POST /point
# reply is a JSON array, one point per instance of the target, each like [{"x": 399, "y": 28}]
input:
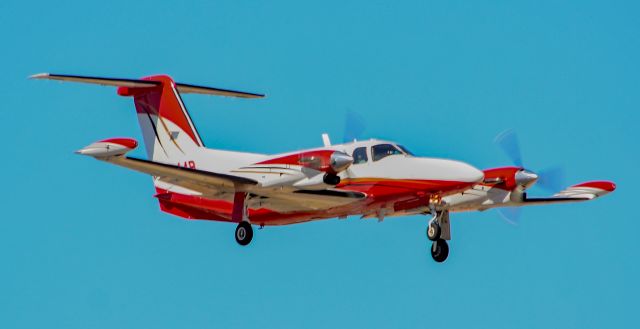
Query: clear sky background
[{"x": 84, "y": 245}]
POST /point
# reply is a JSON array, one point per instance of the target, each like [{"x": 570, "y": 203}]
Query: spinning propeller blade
[
  {"x": 551, "y": 179},
  {"x": 354, "y": 127},
  {"x": 510, "y": 215},
  {"x": 508, "y": 142}
]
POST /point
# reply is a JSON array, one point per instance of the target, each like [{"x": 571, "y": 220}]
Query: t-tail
[{"x": 170, "y": 135}]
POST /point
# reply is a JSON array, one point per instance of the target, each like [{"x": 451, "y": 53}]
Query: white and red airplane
[{"x": 372, "y": 179}]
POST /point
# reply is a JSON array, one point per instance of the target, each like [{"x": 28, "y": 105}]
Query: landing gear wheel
[
  {"x": 244, "y": 233},
  {"x": 433, "y": 231},
  {"x": 440, "y": 250}
]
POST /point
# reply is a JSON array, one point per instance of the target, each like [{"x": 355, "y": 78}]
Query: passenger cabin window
[
  {"x": 360, "y": 155},
  {"x": 383, "y": 150}
]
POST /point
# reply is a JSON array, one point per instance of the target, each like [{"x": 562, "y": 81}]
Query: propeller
[
  {"x": 510, "y": 215},
  {"x": 354, "y": 127},
  {"x": 508, "y": 142},
  {"x": 550, "y": 179}
]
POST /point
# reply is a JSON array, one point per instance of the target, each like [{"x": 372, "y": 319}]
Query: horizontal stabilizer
[
  {"x": 193, "y": 89},
  {"x": 131, "y": 83},
  {"x": 137, "y": 83}
]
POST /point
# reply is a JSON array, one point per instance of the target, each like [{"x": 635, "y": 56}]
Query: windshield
[
  {"x": 404, "y": 149},
  {"x": 381, "y": 151}
]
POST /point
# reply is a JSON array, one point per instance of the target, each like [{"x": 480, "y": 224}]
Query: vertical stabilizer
[{"x": 169, "y": 133}]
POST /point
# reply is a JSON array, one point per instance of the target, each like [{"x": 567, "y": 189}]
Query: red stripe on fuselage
[
  {"x": 387, "y": 187},
  {"x": 400, "y": 194}
]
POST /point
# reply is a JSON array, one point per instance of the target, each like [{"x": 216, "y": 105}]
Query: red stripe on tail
[{"x": 163, "y": 101}]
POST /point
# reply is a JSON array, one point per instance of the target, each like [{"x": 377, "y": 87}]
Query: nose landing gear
[
  {"x": 439, "y": 231},
  {"x": 433, "y": 230},
  {"x": 440, "y": 250}
]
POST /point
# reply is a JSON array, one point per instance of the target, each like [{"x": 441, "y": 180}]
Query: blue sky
[{"x": 84, "y": 244}]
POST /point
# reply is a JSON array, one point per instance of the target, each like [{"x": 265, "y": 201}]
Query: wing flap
[{"x": 307, "y": 200}]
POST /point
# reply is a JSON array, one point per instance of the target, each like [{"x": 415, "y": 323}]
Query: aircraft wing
[
  {"x": 198, "y": 180},
  {"x": 580, "y": 192},
  {"x": 482, "y": 199},
  {"x": 218, "y": 186},
  {"x": 222, "y": 186}
]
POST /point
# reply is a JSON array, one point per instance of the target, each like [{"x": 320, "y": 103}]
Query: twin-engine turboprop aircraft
[{"x": 372, "y": 179}]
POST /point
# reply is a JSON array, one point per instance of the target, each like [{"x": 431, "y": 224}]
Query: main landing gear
[
  {"x": 240, "y": 214},
  {"x": 439, "y": 231},
  {"x": 244, "y": 233}
]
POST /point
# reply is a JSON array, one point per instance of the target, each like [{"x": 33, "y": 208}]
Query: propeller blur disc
[
  {"x": 551, "y": 179},
  {"x": 510, "y": 215},
  {"x": 508, "y": 142},
  {"x": 354, "y": 127}
]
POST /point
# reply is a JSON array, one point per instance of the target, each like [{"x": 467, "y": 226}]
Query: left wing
[{"x": 482, "y": 197}]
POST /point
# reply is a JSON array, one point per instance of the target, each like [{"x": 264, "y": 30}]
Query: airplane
[{"x": 372, "y": 179}]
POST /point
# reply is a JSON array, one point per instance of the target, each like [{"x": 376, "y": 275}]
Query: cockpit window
[
  {"x": 383, "y": 150},
  {"x": 360, "y": 155},
  {"x": 404, "y": 149}
]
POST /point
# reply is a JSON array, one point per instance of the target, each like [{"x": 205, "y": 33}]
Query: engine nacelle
[
  {"x": 328, "y": 161},
  {"x": 326, "y": 165},
  {"x": 339, "y": 161}
]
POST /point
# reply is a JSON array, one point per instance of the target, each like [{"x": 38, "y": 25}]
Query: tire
[
  {"x": 433, "y": 231},
  {"x": 440, "y": 250},
  {"x": 244, "y": 233},
  {"x": 331, "y": 179}
]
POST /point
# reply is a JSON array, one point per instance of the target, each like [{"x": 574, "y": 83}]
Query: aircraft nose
[
  {"x": 457, "y": 171},
  {"x": 469, "y": 173}
]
